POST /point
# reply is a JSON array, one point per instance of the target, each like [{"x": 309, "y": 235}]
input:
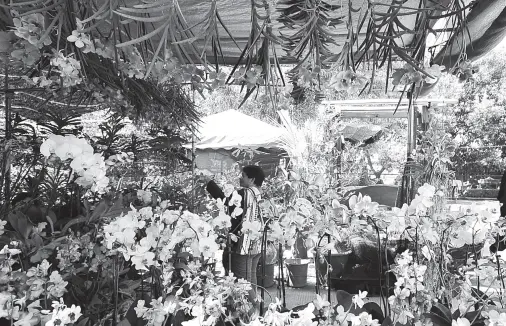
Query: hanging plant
[
  {"x": 259, "y": 61},
  {"x": 348, "y": 80},
  {"x": 307, "y": 33}
]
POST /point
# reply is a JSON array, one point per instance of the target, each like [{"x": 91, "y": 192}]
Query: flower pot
[
  {"x": 268, "y": 277},
  {"x": 243, "y": 266},
  {"x": 297, "y": 272},
  {"x": 338, "y": 262}
]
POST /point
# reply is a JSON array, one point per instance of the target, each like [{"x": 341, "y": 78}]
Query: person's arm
[{"x": 214, "y": 190}]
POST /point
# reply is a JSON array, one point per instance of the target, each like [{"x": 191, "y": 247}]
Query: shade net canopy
[
  {"x": 235, "y": 27},
  {"x": 234, "y": 130},
  {"x": 485, "y": 27}
]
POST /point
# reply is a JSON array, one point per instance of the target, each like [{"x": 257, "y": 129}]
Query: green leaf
[
  {"x": 141, "y": 11},
  {"x": 83, "y": 321},
  {"x": 397, "y": 76},
  {"x": 99, "y": 211},
  {"x": 144, "y": 37},
  {"x": 344, "y": 299},
  {"x": 44, "y": 253},
  {"x": 476, "y": 316},
  {"x": 131, "y": 318},
  {"x": 80, "y": 219},
  {"x": 387, "y": 322},
  {"x": 144, "y": 19},
  {"x": 442, "y": 311},
  {"x": 374, "y": 310},
  {"x": 20, "y": 223},
  {"x": 37, "y": 240},
  {"x": 155, "y": 55},
  {"x": 438, "y": 320}
]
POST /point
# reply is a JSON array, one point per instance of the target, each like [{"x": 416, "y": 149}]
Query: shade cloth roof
[
  {"x": 486, "y": 26},
  {"x": 233, "y": 129},
  {"x": 236, "y": 15}
]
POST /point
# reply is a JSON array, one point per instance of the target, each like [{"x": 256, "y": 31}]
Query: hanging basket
[{"x": 297, "y": 272}]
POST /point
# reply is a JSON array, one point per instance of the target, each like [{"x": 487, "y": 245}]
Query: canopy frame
[{"x": 414, "y": 111}]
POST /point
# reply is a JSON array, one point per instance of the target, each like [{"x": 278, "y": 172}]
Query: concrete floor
[{"x": 299, "y": 296}]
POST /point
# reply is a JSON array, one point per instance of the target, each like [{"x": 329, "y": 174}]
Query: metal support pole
[
  {"x": 193, "y": 191},
  {"x": 317, "y": 271},
  {"x": 409, "y": 181},
  {"x": 411, "y": 131},
  {"x": 6, "y": 167},
  {"x": 329, "y": 280},
  {"x": 406, "y": 192},
  {"x": 281, "y": 276},
  {"x": 263, "y": 260},
  {"x": 192, "y": 200}
]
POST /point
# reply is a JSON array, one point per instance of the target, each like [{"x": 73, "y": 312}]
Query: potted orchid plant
[
  {"x": 155, "y": 263},
  {"x": 431, "y": 285},
  {"x": 330, "y": 235}
]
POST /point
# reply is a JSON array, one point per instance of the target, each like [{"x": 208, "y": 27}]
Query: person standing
[{"x": 245, "y": 248}]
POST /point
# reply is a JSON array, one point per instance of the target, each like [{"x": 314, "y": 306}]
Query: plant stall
[{"x": 111, "y": 228}]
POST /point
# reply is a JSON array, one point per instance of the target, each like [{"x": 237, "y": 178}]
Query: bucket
[
  {"x": 297, "y": 271},
  {"x": 269, "y": 275}
]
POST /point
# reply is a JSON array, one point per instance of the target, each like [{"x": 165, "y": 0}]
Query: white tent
[
  {"x": 220, "y": 135},
  {"x": 232, "y": 129}
]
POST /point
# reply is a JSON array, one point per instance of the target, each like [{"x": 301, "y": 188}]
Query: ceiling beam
[
  {"x": 404, "y": 102},
  {"x": 374, "y": 114}
]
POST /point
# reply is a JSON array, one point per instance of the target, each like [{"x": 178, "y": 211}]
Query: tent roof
[
  {"x": 233, "y": 129},
  {"x": 360, "y": 133}
]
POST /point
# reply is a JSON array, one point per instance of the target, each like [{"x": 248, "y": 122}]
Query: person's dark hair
[{"x": 255, "y": 172}]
